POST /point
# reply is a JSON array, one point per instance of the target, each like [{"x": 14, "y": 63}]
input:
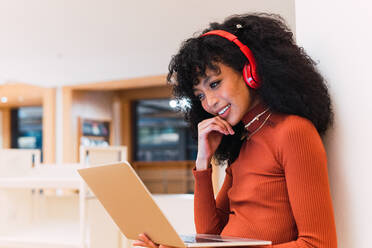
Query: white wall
[
  {"x": 338, "y": 35},
  {"x": 58, "y": 42},
  {"x": 62, "y": 42}
]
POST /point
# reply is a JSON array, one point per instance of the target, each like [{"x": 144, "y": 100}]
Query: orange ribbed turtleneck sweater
[{"x": 277, "y": 189}]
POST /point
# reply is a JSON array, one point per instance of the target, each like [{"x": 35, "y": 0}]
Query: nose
[{"x": 211, "y": 101}]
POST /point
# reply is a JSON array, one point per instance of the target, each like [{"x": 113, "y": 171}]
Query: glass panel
[
  {"x": 161, "y": 132},
  {"x": 29, "y": 132}
]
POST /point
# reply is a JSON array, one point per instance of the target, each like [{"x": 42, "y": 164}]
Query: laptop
[{"x": 133, "y": 209}]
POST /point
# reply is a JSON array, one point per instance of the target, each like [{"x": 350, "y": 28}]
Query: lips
[{"x": 222, "y": 111}]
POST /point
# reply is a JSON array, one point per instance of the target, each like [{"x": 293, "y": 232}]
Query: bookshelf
[{"x": 94, "y": 132}]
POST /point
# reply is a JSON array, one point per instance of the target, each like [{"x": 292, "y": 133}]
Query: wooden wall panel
[
  {"x": 131, "y": 83},
  {"x": 6, "y": 127},
  {"x": 20, "y": 95},
  {"x": 166, "y": 177},
  {"x": 106, "y": 95},
  {"x": 68, "y": 153},
  {"x": 147, "y": 93},
  {"x": 94, "y": 105},
  {"x": 49, "y": 125},
  {"x": 126, "y": 120}
]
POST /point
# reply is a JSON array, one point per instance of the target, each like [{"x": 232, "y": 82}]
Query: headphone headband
[{"x": 245, "y": 50}]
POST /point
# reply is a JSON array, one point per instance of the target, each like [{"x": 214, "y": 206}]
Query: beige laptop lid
[{"x": 129, "y": 203}]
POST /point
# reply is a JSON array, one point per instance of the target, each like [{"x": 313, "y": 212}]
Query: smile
[{"x": 224, "y": 109}]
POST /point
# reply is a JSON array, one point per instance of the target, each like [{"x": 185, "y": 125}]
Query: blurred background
[{"x": 83, "y": 83}]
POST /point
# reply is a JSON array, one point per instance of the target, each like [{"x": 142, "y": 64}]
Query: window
[
  {"x": 26, "y": 127},
  {"x": 161, "y": 134}
]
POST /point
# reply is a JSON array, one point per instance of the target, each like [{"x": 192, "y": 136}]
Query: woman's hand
[
  {"x": 210, "y": 132},
  {"x": 145, "y": 241}
]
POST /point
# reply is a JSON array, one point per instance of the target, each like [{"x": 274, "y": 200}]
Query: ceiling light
[
  {"x": 173, "y": 103},
  {"x": 182, "y": 104},
  {"x": 4, "y": 99}
]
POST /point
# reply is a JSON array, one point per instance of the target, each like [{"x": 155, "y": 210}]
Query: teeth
[{"x": 224, "y": 110}]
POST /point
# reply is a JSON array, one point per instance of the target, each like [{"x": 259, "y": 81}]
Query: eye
[
  {"x": 214, "y": 84},
  {"x": 200, "y": 97}
]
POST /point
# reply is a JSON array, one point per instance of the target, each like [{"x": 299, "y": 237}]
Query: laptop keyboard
[{"x": 193, "y": 239}]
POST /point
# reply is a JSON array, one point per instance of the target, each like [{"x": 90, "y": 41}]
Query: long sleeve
[
  {"x": 305, "y": 166},
  {"x": 277, "y": 189},
  {"x": 210, "y": 215}
]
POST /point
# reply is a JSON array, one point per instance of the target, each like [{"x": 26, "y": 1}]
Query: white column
[{"x": 337, "y": 35}]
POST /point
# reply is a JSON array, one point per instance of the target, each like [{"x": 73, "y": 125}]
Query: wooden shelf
[
  {"x": 46, "y": 176},
  {"x": 39, "y": 182},
  {"x": 35, "y": 223},
  {"x": 91, "y": 138},
  {"x": 43, "y": 235}
]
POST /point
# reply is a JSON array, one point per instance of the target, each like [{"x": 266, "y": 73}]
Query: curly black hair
[{"x": 291, "y": 84}]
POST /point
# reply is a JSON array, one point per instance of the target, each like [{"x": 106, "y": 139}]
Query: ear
[{"x": 248, "y": 77}]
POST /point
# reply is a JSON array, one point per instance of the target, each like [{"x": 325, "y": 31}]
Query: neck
[
  {"x": 258, "y": 109},
  {"x": 254, "y": 102}
]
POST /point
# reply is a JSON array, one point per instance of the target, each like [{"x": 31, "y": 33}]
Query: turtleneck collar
[{"x": 253, "y": 113}]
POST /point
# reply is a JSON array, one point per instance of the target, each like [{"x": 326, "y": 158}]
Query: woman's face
[{"x": 225, "y": 94}]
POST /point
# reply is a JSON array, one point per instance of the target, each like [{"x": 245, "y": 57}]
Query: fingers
[
  {"x": 139, "y": 243},
  {"x": 144, "y": 241},
  {"x": 227, "y": 125},
  {"x": 215, "y": 124},
  {"x": 164, "y": 246}
]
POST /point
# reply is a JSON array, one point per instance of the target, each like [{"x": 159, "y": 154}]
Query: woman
[{"x": 257, "y": 102}]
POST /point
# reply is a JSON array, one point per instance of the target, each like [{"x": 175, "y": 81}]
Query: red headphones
[{"x": 249, "y": 71}]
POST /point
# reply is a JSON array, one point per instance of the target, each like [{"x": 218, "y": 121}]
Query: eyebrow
[{"x": 204, "y": 82}]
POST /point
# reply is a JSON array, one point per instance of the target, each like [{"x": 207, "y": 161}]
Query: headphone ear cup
[{"x": 248, "y": 78}]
